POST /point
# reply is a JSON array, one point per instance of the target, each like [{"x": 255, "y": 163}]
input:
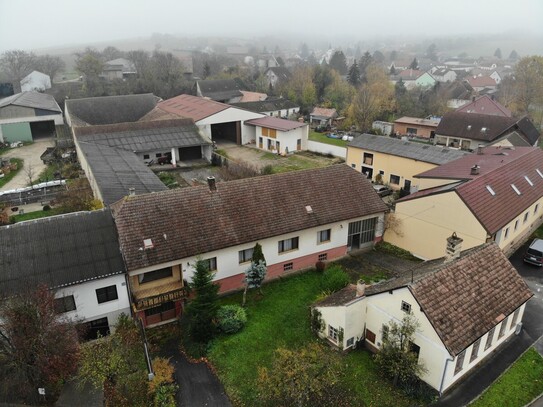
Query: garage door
[
  {"x": 225, "y": 132},
  {"x": 190, "y": 153},
  {"x": 42, "y": 130}
]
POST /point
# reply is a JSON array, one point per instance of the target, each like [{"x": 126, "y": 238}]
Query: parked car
[
  {"x": 382, "y": 190},
  {"x": 164, "y": 160},
  {"x": 534, "y": 253}
]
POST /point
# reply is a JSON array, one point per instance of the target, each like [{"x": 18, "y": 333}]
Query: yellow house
[
  {"x": 466, "y": 306},
  {"x": 494, "y": 195},
  {"x": 394, "y": 161}
]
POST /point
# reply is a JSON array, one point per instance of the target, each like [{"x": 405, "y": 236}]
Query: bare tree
[
  {"x": 18, "y": 63},
  {"x": 50, "y": 65},
  {"x": 30, "y": 173}
]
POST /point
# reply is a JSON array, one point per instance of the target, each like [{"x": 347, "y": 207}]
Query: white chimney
[
  {"x": 131, "y": 191},
  {"x": 475, "y": 170},
  {"x": 454, "y": 248},
  {"x": 480, "y": 149},
  {"x": 360, "y": 288}
]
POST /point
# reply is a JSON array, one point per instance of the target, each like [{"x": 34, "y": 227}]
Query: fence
[{"x": 324, "y": 148}]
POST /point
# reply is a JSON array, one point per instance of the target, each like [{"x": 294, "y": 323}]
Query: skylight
[
  {"x": 489, "y": 189},
  {"x": 515, "y": 189},
  {"x": 528, "y": 180},
  {"x": 539, "y": 172}
]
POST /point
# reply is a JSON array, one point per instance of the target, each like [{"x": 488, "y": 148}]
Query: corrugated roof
[
  {"x": 192, "y": 221},
  {"x": 194, "y": 107},
  {"x": 35, "y": 100},
  {"x": 275, "y": 123},
  {"x": 408, "y": 149},
  {"x": 58, "y": 251}
]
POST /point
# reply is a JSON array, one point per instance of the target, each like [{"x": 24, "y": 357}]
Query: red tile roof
[
  {"x": 194, "y": 107},
  {"x": 191, "y": 221},
  {"x": 485, "y": 105},
  {"x": 464, "y": 299},
  {"x": 481, "y": 81},
  {"x": 499, "y": 172},
  {"x": 410, "y": 74},
  {"x": 275, "y": 123},
  {"x": 324, "y": 112}
]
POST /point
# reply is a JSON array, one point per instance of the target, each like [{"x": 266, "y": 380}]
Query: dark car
[
  {"x": 534, "y": 253},
  {"x": 382, "y": 190},
  {"x": 164, "y": 160}
]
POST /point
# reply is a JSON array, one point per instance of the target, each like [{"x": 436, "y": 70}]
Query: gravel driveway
[{"x": 31, "y": 156}]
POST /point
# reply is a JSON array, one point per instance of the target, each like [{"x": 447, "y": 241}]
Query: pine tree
[
  {"x": 256, "y": 273},
  {"x": 339, "y": 62},
  {"x": 498, "y": 53},
  {"x": 353, "y": 77},
  {"x": 414, "y": 64},
  {"x": 513, "y": 55},
  {"x": 207, "y": 70},
  {"x": 203, "y": 308}
]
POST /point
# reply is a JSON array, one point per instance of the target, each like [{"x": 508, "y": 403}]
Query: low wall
[{"x": 324, "y": 148}]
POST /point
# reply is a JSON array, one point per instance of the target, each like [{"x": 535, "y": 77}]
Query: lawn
[
  {"x": 300, "y": 161},
  {"x": 518, "y": 386},
  {"x": 280, "y": 318},
  {"x": 8, "y": 177},
  {"x": 35, "y": 215},
  {"x": 321, "y": 138}
]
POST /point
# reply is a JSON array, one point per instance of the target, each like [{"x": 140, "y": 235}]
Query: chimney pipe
[
  {"x": 480, "y": 149},
  {"x": 475, "y": 170},
  {"x": 454, "y": 248},
  {"x": 360, "y": 288},
  {"x": 131, "y": 191},
  {"x": 211, "y": 183}
]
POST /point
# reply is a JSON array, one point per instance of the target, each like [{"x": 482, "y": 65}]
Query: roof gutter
[{"x": 443, "y": 376}]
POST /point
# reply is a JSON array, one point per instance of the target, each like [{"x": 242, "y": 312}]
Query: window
[
  {"x": 489, "y": 189},
  {"x": 64, "y": 304},
  {"x": 288, "y": 244},
  {"x": 381, "y": 172},
  {"x": 155, "y": 275},
  {"x": 260, "y": 142},
  {"x": 370, "y": 336},
  {"x": 350, "y": 342},
  {"x": 157, "y": 155},
  {"x": 411, "y": 130},
  {"x": 166, "y": 306},
  {"x": 475, "y": 350},
  {"x": 288, "y": 266},
  {"x": 106, "y": 294},
  {"x": 323, "y": 256},
  {"x": 394, "y": 179},
  {"x": 384, "y": 332},
  {"x": 145, "y": 156},
  {"x": 539, "y": 172},
  {"x": 506, "y": 233},
  {"x": 269, "y": 132},
  {"x": 526, "y": 217},
  {"x": 211, "y": 263},
  {"x": 516, "y": 224},
  {"x": 245, "y": 255},
  {"x": 333, "y": 333},
  {"x": 528, "y": 180},
  {"x": 414, "y": 348},
  {"x": 324, "y": 236},
  {"x": 459, "y": 362},
  {"x": 368, "y": 159},
  {"x": 406, "y": 307},
  {"x": 536, "y": 208},
  {"x": 515, "y": 318},
  {"x": 489, "y": 338},
  {"x": 361, "y": 232},
  {"x": 353, "y": 165},
  {"x": 502, "y": 327},
  {"x": 515, "y": 189},
  {"x": 299, "y": 144}
]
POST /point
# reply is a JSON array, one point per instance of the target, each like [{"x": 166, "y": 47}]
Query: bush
[
  {"x": 334, "y": 279},
  {"x": 231, "y": 318},
  {"x": 164, "y": 371},
  {"x": 267, "y": 170},
  {"x": 46, "y": 208},
  {"x": 165, "y": 396}
]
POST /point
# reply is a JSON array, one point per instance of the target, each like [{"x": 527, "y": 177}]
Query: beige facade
[
  {"x": 424, "y": 224},
  {"x": 395, "y": 171}
]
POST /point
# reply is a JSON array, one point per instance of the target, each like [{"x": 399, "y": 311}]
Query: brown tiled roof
[
  {"x": 410, "y": 74},
  {"x": 195, "y": 220},
  {"x": 324, "y": 112},
  {"x": 194, "y": 107},
  {"x": 275, "y": 123},
  {"x": 464, "y": 298},
  {"x": 485, "y": 105},
  {"x": 339, "y": 298},
  {"x": 474, "y": 126},
  {"x": 481, "y": 81},
  {"x": 252, "y": 96}
]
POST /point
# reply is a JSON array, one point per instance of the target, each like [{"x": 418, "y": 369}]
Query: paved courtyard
[{"x": 31, "y": 155}]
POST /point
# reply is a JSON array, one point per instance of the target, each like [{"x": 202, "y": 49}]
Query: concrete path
[
  {"x": 198, "y": 385},
  {"x": 31, "y": 156}
]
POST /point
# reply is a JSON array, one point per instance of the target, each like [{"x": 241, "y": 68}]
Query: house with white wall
[
  {"x": 279, "y": 136},
  {"x": 278, "y": 107},
  {"x": 35, "y": 81},
  {"x": 295, "y": 219},
  {"x": 466, "y": 305},
  {"x": 77, "y": 256}
]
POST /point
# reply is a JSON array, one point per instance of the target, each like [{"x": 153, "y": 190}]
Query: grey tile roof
[
  {"x": 268, "y": 105},
  {"x": 58, "y": 251},
  {"x": 116, "y": 171},
  {"x": 408, "y": 149},
  {"x": 191, "y": 221},
  {"x": 111, "y": 109},
  {"x": 33, "y": 100}
]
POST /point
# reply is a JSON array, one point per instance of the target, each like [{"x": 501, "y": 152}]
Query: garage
[
  {"x": 229, "y": 131},
  {"x": 42, "y": 130},
  {"x": 190, "y": 153}
]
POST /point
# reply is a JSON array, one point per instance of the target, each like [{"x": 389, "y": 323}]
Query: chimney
[
  {"x": 480, "y": 149},
  {"x": 131, "y": 191},
  {"x": 360, "y": 288},
  {"x": 211, "y": 183},
  {"x": 454, "y": 247},
  {"x": 475, "y": 170},
  {"x": 473, "y": 98}
]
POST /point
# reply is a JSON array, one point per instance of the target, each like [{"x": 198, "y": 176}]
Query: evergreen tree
[
  {"x": 378, "y": 57},
  {"x": 365, "y": 63},
  {"x": 207, "y": 70},
  {"x": 414, "y": 64},
  {"x": 513, "y": 55},
  {"x": 256, "y": 273},
  {"x": 431, "y": 52},
  {"x": 353, "y": 76},
  {"x": 339, "y": 62},
  {"x": 498, "y": 53},
  {"x": 203, "y": 308},
  {"x": 392, "y": 70},
  {"x": 258, "y": 255},
  {"x": 399, "y": 88}
]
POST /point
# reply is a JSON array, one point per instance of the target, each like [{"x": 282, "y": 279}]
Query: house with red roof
[
  {"x": 493, "y": 195},
  {"x": 485, "y": 105},
  {"x": 479, "y": 83},
  {"x": 467, "y": 305},
  {"x": 321, "y": 116}
]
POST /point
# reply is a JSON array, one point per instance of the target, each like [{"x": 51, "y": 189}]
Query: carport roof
[
  {"x": 194, "y": 107},
  {"x": 33, "y": 100}
]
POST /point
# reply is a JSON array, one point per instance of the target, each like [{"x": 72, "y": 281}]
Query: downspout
[{"x": 444, "y": 373}]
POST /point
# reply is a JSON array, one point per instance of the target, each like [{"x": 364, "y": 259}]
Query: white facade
[
  {"x": 35, "y": 81},
  {"x": 281, "y": 112},
  {"x": 284, "y": 142},
  {"x": 323, "y": 148},
  {"x": 86, "y": 301}
]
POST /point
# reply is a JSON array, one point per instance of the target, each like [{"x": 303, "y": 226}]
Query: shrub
[
  {"x": 163, "y": 370},
  {"x": 320, "y": 266},
  {"x": 46, "y": 208},
  {"x": 165, "y": 396},
  {"x": 231, "y": 318},
  {"x": 334, "y": 279},
  {"x": 267, "y": 170}
]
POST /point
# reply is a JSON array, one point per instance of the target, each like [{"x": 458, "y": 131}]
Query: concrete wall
[
  {"x": 324, "y": 148},
  {"x": 425, "y": 224},
  {"x": 16, "y": 132},
  {"x": 87, "y": 307},
  {"x": 88, "y": 171},
  {"x": 288, "y": 139}
]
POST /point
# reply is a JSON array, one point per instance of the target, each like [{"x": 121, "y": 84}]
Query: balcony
[{"x": 155, "y": 296}]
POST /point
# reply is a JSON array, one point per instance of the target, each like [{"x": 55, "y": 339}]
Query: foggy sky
[{"x": 34, "y": 24}]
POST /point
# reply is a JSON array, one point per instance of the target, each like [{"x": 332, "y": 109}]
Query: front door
[
  {"x": 163, "y": 312},
  {"x": 407, "y": 186},
  {"x": 278, "y": 147}
]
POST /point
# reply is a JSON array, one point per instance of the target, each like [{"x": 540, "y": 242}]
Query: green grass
[
  {"x": 538, "y": 232},
  {"x": 321, "y": 138},
  {"x": 35, "y": 215},
  {"x": 518, "y": 386},
  {"x": 8, "y": 177},
  {"x": 280, "y": 318},
  {"x": 396, "y": 251}
]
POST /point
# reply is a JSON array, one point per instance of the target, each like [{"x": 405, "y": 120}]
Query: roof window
[
  {"x": 529, "y": 180},
  {"x": 539, "y": 172},
  {"x": 489, "y": 189},
  {"x": 515, "y": 189}
]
